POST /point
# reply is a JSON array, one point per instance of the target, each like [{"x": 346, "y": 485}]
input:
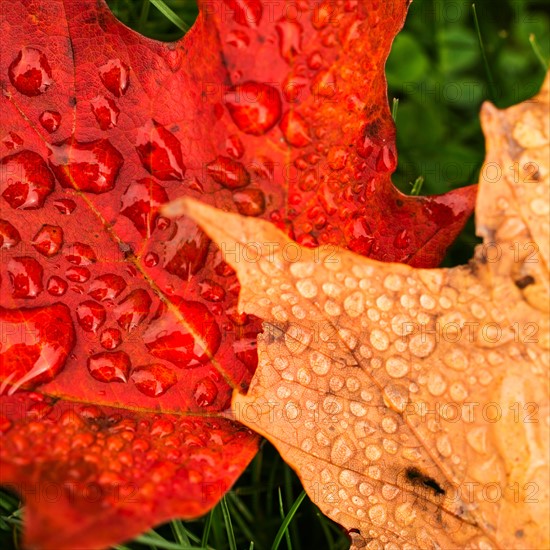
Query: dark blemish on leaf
[
  {"x": 399, "y": 203},
  {"x": 72, "y": 101},
  {"x": 524, "y": 281},
  {"x": 519, "y": 533},
  {"x": 417, "y": 478}
]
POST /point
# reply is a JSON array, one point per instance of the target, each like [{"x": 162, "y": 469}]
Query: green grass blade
[
  {"x": 394, "y": 107},
  {"x": 534, "y": 44},
  {"x": 162, "y": 544},
  {"x": 417, "y": 185},
  {"x": 282, "y": 512},
  {"x": 287, "y": 520},
  {"x": 228, "y": 524},
  {"x": 488, "y": 72},
  {"x": 206, "y": 530},
  {"x": 179, "y": 531},
  {"x": 170, "y": 15}
]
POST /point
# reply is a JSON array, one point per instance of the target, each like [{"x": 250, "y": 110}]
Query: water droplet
[
  {"x": 359, "y": 236},
  {"x": 402, "y": 239},
  {"x": 25, "y": 274},
  {"x": 65, "y": 206},
  {"x": 49, "y": 240},
  {"x": 228, "y": 172},
  {"x": 237, "y": 38},
  {"x": 160, "y": 152},
  {"x": 249, "y": 202},
  {"x": 107, "y": 287},
  {"x": 186, "y": 252},
  {"x": 140, "y": 204},
  {"x": 234, "y": 146},
  {"x": 80, "y": 254},
  {"x": 133, "y": 309},
  {"x": 246, "y": 350},
  {"x": 294, "y": 129},
  {"x": 205, "y": 392},
  {"x": 25, "y": 180},
  {"x": 151, "y": 259},
  {"x": 9, "y": 236},
  {"x": 211, "y": 291},
  {"x": 315, "y": 60},
  {"x": 153, "y": 380},
  {"x": 290, "y": 38},
  {"x": 115, "y": 75},
  {"x": 56, "y": 286},
  {"x": 254, "y": 107},
  {"x": 78, "y": 274},
  {"x": 246, "y": 12},
  {"x": 50, "y": 121},
  {"x": 110, "y": 338},
  {"x": 110, "y": 366},
  {"x": 12, "y": 141},
  {"x": 184, "y": 344},
  {"x": 91, "y": 166},
  {"x": 386, "y": 160},
  {"x": 105, "y": 111},
  {"x": 337, "y": 157},
  {"x": 38, "y": 345},
  {"x": 322, "y": 15},
  {"x": 90, "y": 315},
  {"x": 30, "y": 72},
  {"x": 162, "y": 427}
]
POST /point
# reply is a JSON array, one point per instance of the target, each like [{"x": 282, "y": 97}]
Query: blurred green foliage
[{"x": 437, "y": 71}]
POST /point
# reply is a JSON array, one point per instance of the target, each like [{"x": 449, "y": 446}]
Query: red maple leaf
[{"x": 124, "y": 321}]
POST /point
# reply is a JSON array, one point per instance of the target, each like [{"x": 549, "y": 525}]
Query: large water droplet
[
  {"x": 36, "y": 343},
  {"x": 386, "y": 160},
  {"x": 56, "y": 286},
  {"x": 246, "y": 12},
  {"x": 65, "y": 206},
  {"x": 9, "y": 236},
  {"x": 30, "y": 72},
  {"x": 234, "y": 146},
  {"x": 115, "y": 75},
  {"x": 359, "y": 236},
  {"x": 133, "y": 309},
  {"x": 110, "y": 366},
  {"x": 187, "y": 343},
  {"x": 205, "y": 392},
  {"x": 91, "y": 166},
  {"x": 228, "y": 172},
  {"x": 25, "y": 274},
  {"x": 107, "y": 287},
  {"x": 49, "y": 240},
  {"x": 80, "y": 254},
  {"x": 105, "y": 111},
  {"x": 25, "y": 180},
  {"x": 140, "y": 204},
  {"x": 78, "y": 274},
  {"x": 110, "y": 338},
  {"x": 290, "y": 38},
  {"x": 90, "y": 315},
  {"x": 50, "y": 121},
  {"x": 211, "y": 291},
  {"x": 153, "y": 380},
  {"x": 186, "y": 252},
  {"x": 294, "y": 129},
  {"x": 160, "y": 152},
  {"x": 254, "y": 107},
  {"x": 249, "y": 202}
]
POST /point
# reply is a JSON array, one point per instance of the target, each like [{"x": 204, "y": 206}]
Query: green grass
[{"x": 440, "y": 75}]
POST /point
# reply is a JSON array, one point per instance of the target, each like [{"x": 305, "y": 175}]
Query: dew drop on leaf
[
  {"x": 105, "y": 111},
  {"x": 153, "y": 380},
  {"x": 90, "y": 315},
  {"x": 56, "y": 286},
  {"x": 25, "y": 275},
  {"x": 50, "y": 121},
  {"x": 110, "y": 338},
  {"x": 107, "y": 287},
  {"x": 110, "y": 366},
  {"x": 9, "y": 236},
  {"x": 115, "y": 75},
  {"x": 254, "y": 107},
  {"x": 30, "y": 72},
  {"x": 25, "y": 180},
  {"x": 49, "y": 240},
  {"x": 205, "y": 392}
]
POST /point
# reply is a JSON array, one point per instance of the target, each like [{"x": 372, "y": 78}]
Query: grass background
[{"x": 440, "y": 75}]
